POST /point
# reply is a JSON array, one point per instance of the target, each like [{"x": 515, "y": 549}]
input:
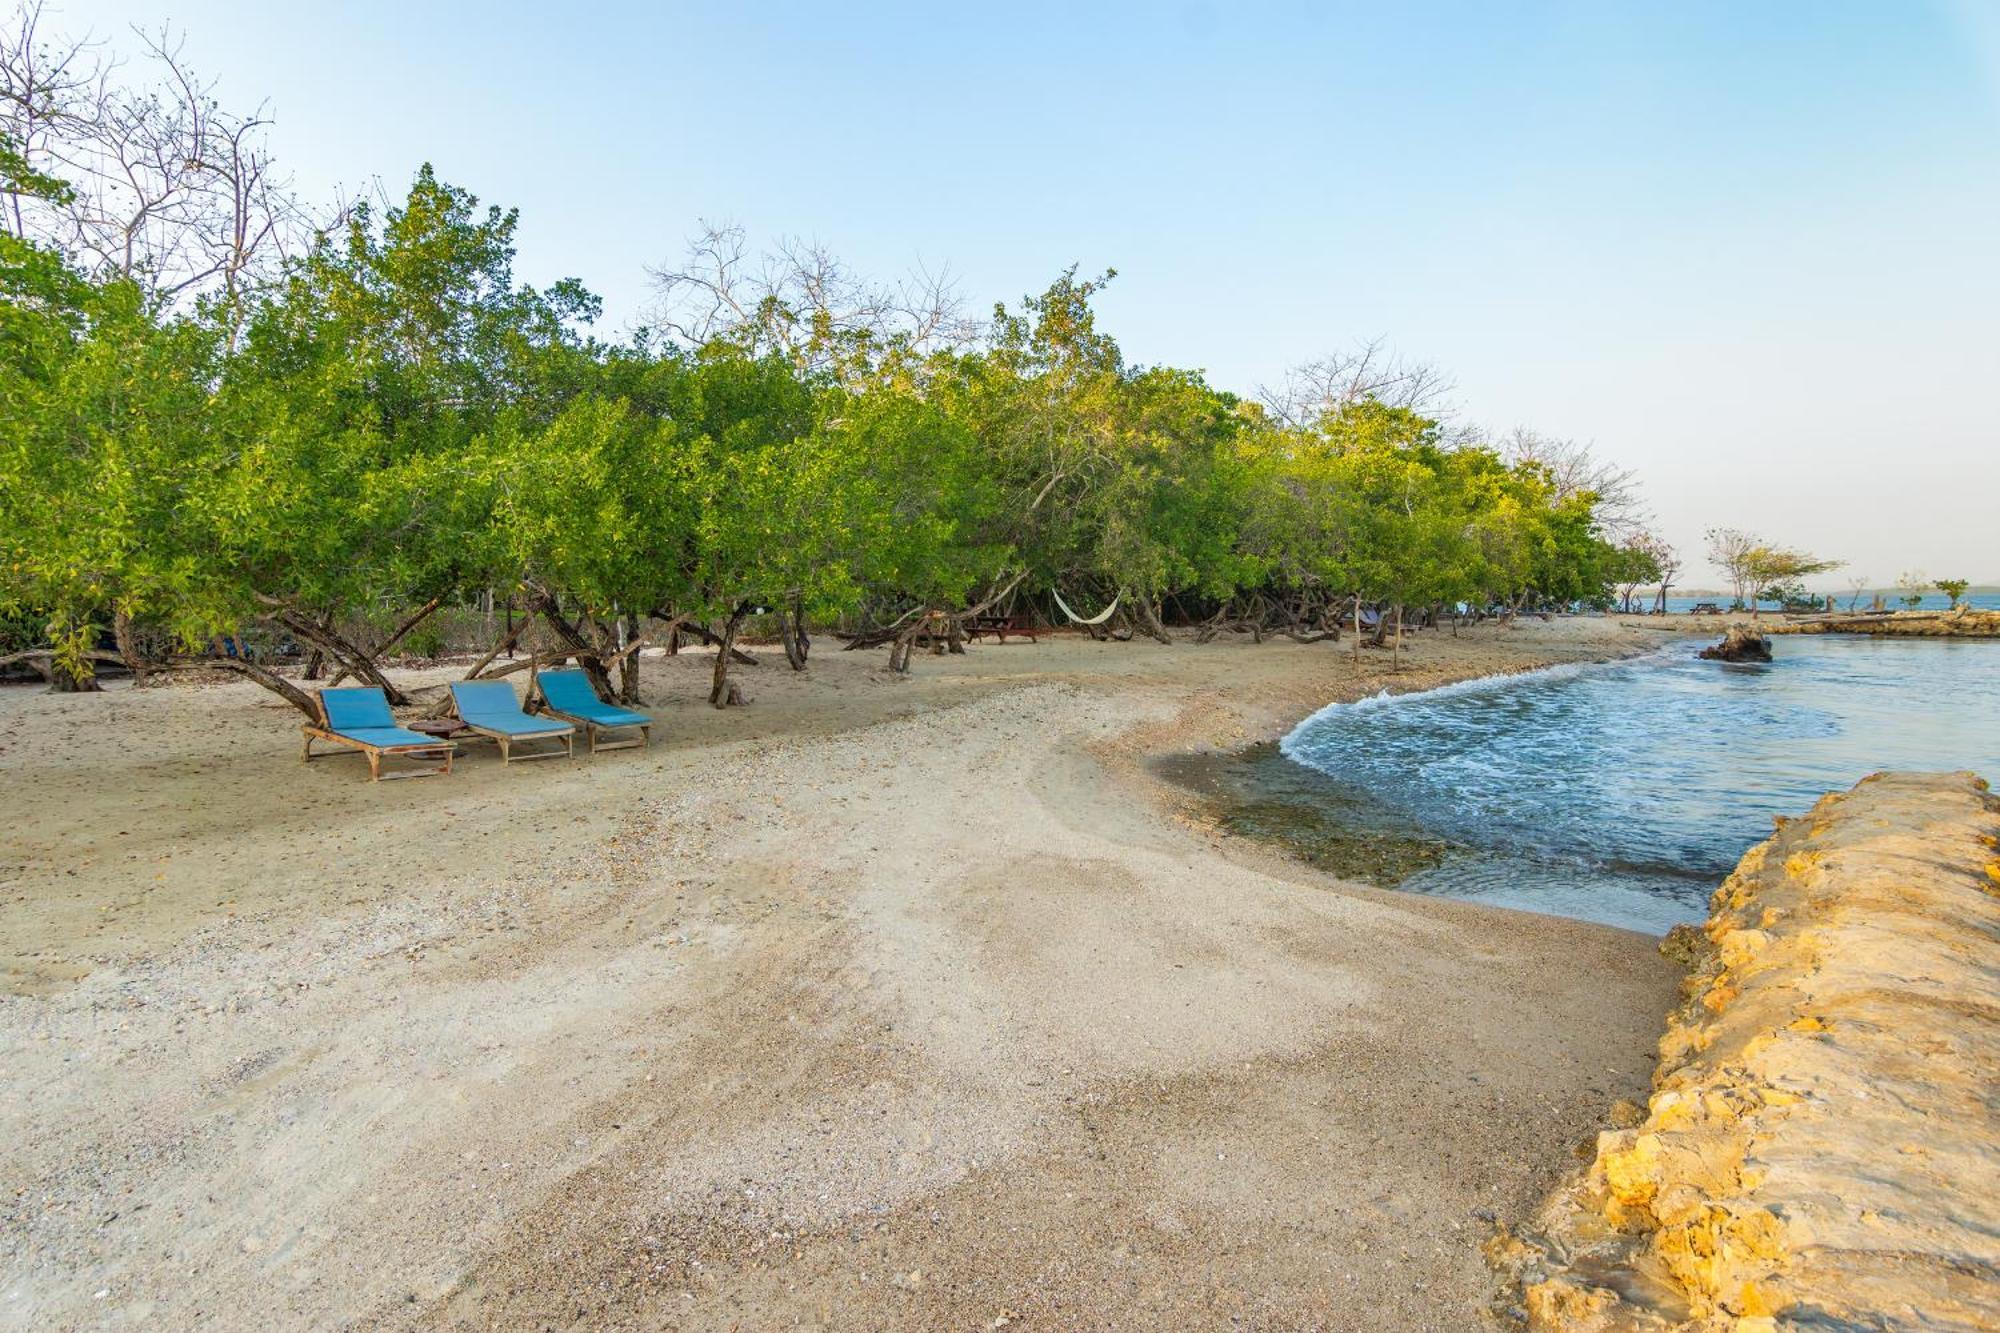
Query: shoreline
[
  {"x": 1468, "y": 682},
  {"x": 879, "y": 1003},
  {"x": 1296, "y": 810}
]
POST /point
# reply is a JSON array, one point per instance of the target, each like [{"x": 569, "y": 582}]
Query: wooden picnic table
[{"x": 1021, "y": 627}]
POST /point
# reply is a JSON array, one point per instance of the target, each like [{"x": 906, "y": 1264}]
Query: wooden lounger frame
[
  {"x": 443, "y": 749},
  {"x": 505, "y": 741},
  {"x": 591, "y": 728}
]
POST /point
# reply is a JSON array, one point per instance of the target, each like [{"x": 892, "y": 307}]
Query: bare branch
[
  {"x": 168, "y": 188},
  {"x": 1321, "y": 388},
  {"x": 1574, "y": 469},
  {"x": 799, "y": 300}
]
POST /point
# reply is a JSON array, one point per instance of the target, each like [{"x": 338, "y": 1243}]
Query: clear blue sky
[{"x": 1752, "y": 250}]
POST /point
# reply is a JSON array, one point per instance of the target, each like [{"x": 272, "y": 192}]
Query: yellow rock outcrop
[{"x": 1822, "y": 1147}]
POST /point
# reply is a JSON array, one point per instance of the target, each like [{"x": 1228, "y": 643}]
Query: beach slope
[{"x": 882, "y": 1003}]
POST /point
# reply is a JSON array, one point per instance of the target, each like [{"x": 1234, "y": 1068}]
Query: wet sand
[{"x": 880, "y": 1003}]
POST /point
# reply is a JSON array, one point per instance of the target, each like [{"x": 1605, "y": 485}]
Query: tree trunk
[
  {"x": 505, "y": 645},
  {"x": 899, "y": 647},
  {"x": 423, "y": 612},
  {"x": 1380, "y": 638},
  {"x": 572, "y": 638},
  {"x": 1396, "y": 655},
  {"x": 128, "y": 647},
  {"x": 64, "y": 679},
  {"x": 316, "y": 659},
  {"x": 1149, "y": 616},
  {"x": 628, "y": 665},
  {"x": 353, "y": 661},
  {"x": 270, "y": 680},
  {"x": 792, "y": 629},
  {"x": 721, "y": 693},
  {"x": 736, "y": 655},
  {"x": 1211, "y": 627}
]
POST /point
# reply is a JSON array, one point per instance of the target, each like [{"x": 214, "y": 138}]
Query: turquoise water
[{"x": 1624, "y": 792}]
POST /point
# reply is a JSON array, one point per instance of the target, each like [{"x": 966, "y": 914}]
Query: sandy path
[{"x": 878, "y": 1004}]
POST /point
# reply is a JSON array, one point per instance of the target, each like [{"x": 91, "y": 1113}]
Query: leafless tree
[
  {"x": 798, "y": 299},
  {"x": 1574, "y": 469},
  {"x": 168, "y": 188},
  {"x": 1669, "y": 561},
  {"x": 1320, "y": 388},
  {"x": 1734, "y": 552},
  {"x": 43, "y": 83}
]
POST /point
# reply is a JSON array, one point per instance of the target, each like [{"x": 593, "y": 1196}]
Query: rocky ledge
[
  {"x": 1822, "y": 1145},
  {"x": 1963, "y": 622}
]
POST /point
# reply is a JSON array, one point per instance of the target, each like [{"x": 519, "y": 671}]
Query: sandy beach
[{"x": 881, "y": 1003}]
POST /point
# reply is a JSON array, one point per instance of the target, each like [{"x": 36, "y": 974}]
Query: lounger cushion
[
  {"x": 491, "y": 706},
  {"x": 389, "y": 737},
  {"x": 355, "y": 706},
  {"x": 570, "y": 692},
  {"x": 606, "y": 715}
]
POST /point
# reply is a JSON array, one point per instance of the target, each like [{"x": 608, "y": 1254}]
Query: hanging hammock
[{"x": 1097, "y": 619}]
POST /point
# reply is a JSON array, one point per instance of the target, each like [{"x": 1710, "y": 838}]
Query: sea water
[{"x": 1623, "y": 792}]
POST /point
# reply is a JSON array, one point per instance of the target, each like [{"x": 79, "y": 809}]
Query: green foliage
[
  {"x": 1953, "y": 588},
  {"x": 104, "y": 436},
  {"x": 399, "y": 420}
]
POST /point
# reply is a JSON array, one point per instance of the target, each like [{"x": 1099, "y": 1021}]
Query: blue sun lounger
[
  {"x": 489, "y": 708},
  {"x": 569, "y": 696},
  {"x": 358, "y": 717}
]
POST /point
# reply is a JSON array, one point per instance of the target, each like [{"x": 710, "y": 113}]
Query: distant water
[{"x": 1624, "y": 792}]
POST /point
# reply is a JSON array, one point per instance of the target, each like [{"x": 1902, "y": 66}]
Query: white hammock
[{"x": 1097, "y": 619}]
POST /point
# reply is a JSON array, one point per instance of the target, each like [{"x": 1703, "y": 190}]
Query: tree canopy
[{"x": 385, "y": 418}]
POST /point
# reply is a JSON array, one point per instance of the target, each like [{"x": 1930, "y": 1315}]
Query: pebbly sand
[{"x": 878, "y": 1004}]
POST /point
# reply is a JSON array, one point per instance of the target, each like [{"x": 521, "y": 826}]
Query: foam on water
[
  {"x": 1623, "y": 791},
  {"x": 1303, "y": 735}
]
